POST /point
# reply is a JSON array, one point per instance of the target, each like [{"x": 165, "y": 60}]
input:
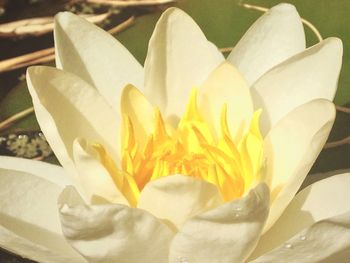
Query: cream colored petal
[
  {"x": 225, "y": 234},
  {"x": 321, "y": 200},
  {"x": 325, "y": 241},
  {"x": 226, "y": 85},
  {"x": 312, "y": 74},
  {"x": 179, "y": 57},
  {"x": 113, "y": 233},
  {"x": 95, "y": 56},
  {"x": 66, "y": 108},
  {"x": 46, "y": 247},
  {"x": 139, "y": 110},
  {"x": 93, "y": 176},
  {"x": 29, "y": 223},
  {"x": 177, "y": 198},
  {"x": 52, "y": 173},
  {"x": 273, "y": 38},
  {"x": 292, "y": 147}
]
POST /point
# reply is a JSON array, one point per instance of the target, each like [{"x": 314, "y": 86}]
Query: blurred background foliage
[{"x": 223, "y": 22}]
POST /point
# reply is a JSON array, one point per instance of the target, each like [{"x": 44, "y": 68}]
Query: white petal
[
  {"x": 292, "y": 147},
  {"x": 312, "y": 74},
  {"x": 66, "y": 108},
  {"x": 325, "y": 241},
  {"x": 29, "y": 223},
  {"x": 95, "y": 56},
  {"x": 29, "y": 198},
  {"x": 179, "y": 57},
  {"x": 225, "y": 234},
  {"x": 226, "y": 86},
  {"x": 52, "y": 173},
  {"x": 274, "y": 37},
  {"x": 177, "y": 198},
  {"x": 56, "y": 250},
  {"x": 323, "y": 199},
  {"x": 93, "y": 176},
  {"x": 113, "y": 233}
]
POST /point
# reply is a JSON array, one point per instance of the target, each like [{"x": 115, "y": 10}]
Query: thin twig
[
  {"x": 47, "y": 55},
  {"x": 305, "y": 22},
  {"x": 225, "y": 49},
  {"x": 35, "y": 62},
  {"x": 341, "y": 142},
  {"x": 122, "y": 26},
  {"x": 12, "y": 62},
  {"x": 40, "y": 25},
  {"x": 119, "y": 3},
  {"x": 4, "y": 124},
  {"x": 343, "y": 109}
]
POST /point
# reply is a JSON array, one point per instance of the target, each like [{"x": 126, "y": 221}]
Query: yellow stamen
[{"x": 191, "y": 149}]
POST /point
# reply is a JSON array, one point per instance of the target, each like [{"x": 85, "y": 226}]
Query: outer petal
[
  {"x": 312, "y": 74},
  {"x": 113, "y": 233},
  {"x": 179, "y": 57},
  {"x": 57, "y": 175},
  {"x": 93, "y": 176},
  {"x": 226, "y": 234},
  {"x": 325, "y": 241},
  {"x": 94, "y": 55},
  {"x": 323, "y": 199},
  {"x": 67, "y": 107},
  {"x": 274, "y": 37},
  {"x": 177, "y": 198},
  {"x": 58, "y": 251},
  {"x": 291, "y": 148},
  {"x": 29, "y": 223},
  {"x": 226, "y": 85}
]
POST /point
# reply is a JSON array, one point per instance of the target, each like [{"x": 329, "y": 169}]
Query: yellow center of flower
[{"x": 192, "y": 149}]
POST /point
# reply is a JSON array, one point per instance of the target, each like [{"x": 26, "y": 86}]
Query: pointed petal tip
[
  {"x": 64, "y": 17},
  {"x": 335, "y": 44},
  {"x": 332, "y": 45},
  {"x": 284, "y": 7},
  {"x": 174, "y": 10},
  {"x": 38, "y": 70},
  {"x": 328, "y": 108}
]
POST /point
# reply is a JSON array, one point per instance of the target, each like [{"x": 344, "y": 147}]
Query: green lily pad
[{"x": 17, "y": 100}]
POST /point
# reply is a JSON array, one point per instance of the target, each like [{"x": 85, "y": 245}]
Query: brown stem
[
  {"x": 4, "y": 124},
  {"x": 46, "y": 55},
  {"x": 343, "y": 109},
  {"x": 130, "y": 21},
  {"x": 130, "y": 2},
  {"x": 334, "y": 144},
  {"x": 7, "y": 64}
]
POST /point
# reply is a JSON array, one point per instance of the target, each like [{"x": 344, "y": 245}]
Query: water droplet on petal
[
  {"x": 288, "y": 245},
  {"x": 303, "y": 238}
]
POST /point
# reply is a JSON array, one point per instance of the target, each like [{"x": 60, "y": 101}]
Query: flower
[{"x": 196, "y": 174}]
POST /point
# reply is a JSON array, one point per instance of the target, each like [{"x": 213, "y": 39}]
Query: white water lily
[{"x": 126, "y": 198}]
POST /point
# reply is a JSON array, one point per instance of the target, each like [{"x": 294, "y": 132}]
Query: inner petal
[{"x": 189, "y": 149}]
